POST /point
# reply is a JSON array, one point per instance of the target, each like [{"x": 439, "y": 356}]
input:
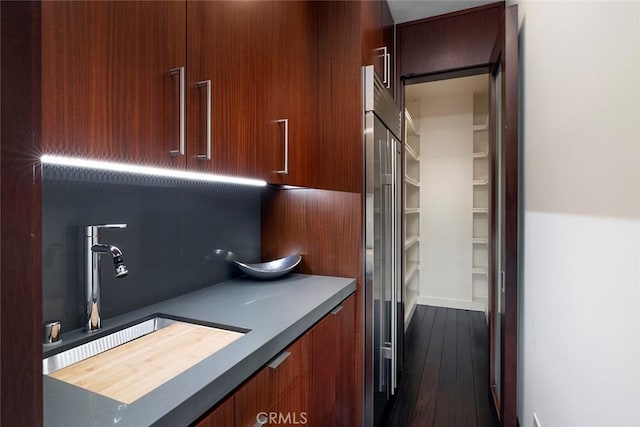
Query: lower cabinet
[
  {"x": 310, "y": 383},
  {"x": 223, "y": 415},
  {"x": 333, "y": 368}
]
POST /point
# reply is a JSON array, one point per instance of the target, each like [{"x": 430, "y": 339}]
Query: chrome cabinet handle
[
  {"x": 277, "y": 361},
  {"x": 337, "y": 310},
  {"x": 180, "y": 72},
  {"x": 207, "y": 155},
  {"x": 388, "y": 69},
  {"x": 385, "y": 66},
  {"x": 285, "y": 171}
]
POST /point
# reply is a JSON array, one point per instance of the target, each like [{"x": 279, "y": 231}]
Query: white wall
[
  {"x": 579, "y": 336},
  {"x": 446, "y": 174}
]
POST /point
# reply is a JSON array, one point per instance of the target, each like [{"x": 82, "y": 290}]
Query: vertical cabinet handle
[
  {"x": 385, "y": 66},
  {"x": 388, "y": 69},
  {"x": 207, "y": 84},
  {"x": 285, "y": 170},
  {"x": 180, "y": 72}
]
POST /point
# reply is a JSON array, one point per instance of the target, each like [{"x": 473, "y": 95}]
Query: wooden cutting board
[{"x": 129, "y": 371}]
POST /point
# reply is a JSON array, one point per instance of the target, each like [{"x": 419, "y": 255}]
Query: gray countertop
[{"x": 276, "y": 313}]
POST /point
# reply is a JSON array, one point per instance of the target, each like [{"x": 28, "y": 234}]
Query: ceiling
[{"x": 410, "y": 10}]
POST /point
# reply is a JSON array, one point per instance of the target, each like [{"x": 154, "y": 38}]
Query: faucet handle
[{"x": 92, "y": 230}]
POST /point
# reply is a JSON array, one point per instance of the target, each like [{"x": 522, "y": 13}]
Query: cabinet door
[
  {"x": 223, "y": 415},
  {"x": 292, "y": 406},
  {"x": 107, "y": 90},
  {"x": 293, "y": 92},
  {"x": 272, "y": 384},
  {"x": 228, "y": 46},
  {"x": 388, "y": 41},
  {"x": 253, "y": 399},
  {"x": 337, "y": 157},
  {"x": 372, "y": 35},
  {"x": 333, "y": 368}
]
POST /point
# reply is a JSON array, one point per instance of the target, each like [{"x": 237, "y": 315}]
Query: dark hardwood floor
[{"x": 445, "y": 381}]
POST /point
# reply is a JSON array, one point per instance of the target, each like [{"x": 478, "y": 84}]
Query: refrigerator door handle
[{"x": 394, "y": 284}]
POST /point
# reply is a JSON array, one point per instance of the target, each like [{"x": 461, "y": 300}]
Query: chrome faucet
[{"x": 93, "y": 250}]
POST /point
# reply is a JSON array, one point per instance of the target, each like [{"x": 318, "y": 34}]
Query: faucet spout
[
  {"x": 120, "y": 269},
  {"x": 92, "y": 319}
]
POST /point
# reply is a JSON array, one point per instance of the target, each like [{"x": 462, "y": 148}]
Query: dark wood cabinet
[
  {"x": 228, "y": 46},
  {"x": 333, "y": 368},
  {"x": 229, "y": 87},
  {"x": 337, "y": 157},
  {"x": 292, "y": 408},
  {"x": 312, "y": 382},
  {"x": 378, "y": 39},
  {"x": 223, "y": 415},
  {"x": 282, "y": 384},
  {"x": 107, "y": 89},
  {"x": 388, "y": 40},
  {"x": 293, "y": 93}
]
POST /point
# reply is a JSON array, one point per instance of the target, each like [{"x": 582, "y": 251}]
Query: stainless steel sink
[{"x": 113, "y": 339}]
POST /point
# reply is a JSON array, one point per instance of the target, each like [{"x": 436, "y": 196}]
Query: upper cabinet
[
  {"x": 251, "y": 86},
  {"x": 337, "y": 157},
  {"x": 264, "y": 89},
  {"x": 226, "y": 85},
  {"x": 388, "y": 40},
  {"x": 107, "y": 87},
  {"x": 378, "y": 39},
  {"x": 293, "y": 93}
]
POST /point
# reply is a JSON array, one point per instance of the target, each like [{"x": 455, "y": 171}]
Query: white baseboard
[{"x": 451, "y": 303}]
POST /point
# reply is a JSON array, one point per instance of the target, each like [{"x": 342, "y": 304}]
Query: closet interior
[{"x": 447, "y": 193}]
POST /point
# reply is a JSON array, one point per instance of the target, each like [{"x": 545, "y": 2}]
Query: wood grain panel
[
  {"x": 292, "y": 367},
  {"x": 458, "y": 40},
  {"x": 326, "y": 228},
  {"x": 337, "y": 158},
  {"x": 480, "y": 354},
  {"x": 228, "y": 42},
  {"x": 324, "y": 362},
  {"x": 445, "y": 404},
  {"x": 333, "y": 358},
  {"x": 461, "y": 383},
  {"x": 416, "y": 344},
  {"x": 465, "y": 409},
  {"x": 292, "y": 407},
  {"x": 130, "y": 371},
  {"x": 20, "y": 210},
  {"x": 252, "y": 398},
  {"x": 371, "y": 24},
  {"x": 388, "y": 40},
  {"x": 424, "y": 411},
  {"x": 347, "y": 406},
  {"x": 293, "y": 91},
  {"x": 511, "y": 230},
  {"x": 223, "y": 415},
  {"x": 106, "y": 88}
]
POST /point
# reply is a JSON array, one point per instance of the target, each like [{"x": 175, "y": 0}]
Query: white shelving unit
[
  {"x": 411, "y": 216},
  {"x": 480, "y": 212}
]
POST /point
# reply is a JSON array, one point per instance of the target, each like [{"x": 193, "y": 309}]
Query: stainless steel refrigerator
[{"x": 383, "y": 304}]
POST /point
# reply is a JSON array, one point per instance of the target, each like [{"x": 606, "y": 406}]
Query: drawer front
[
  {"x": 285, "y": 368},
  {"x": 269, "y": 384}
]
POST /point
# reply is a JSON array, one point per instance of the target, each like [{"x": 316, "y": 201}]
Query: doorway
[
  {"x": 447, "y": 194},
  {"x": 449, "y": 263}
]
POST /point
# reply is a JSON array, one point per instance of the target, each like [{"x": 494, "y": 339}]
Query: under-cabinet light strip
[{"x": 83, "y": 163}]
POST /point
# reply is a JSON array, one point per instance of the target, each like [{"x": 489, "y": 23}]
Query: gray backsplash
[{"x": 172, "y": 230}]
